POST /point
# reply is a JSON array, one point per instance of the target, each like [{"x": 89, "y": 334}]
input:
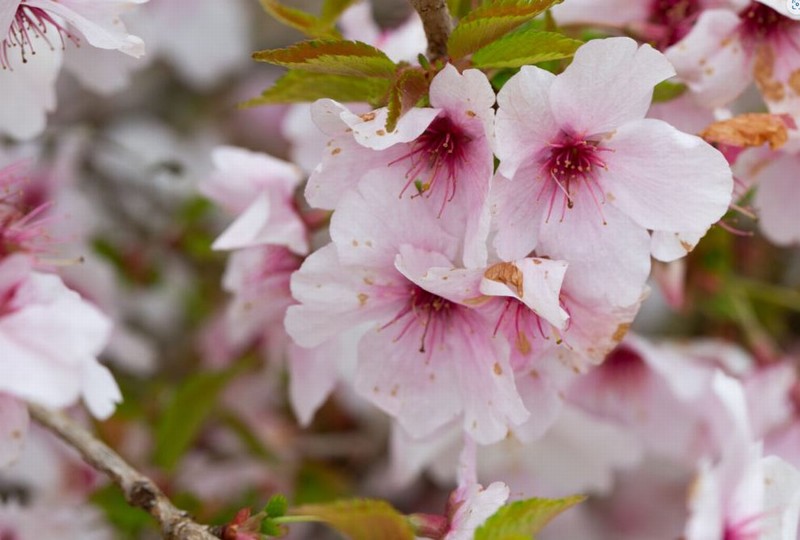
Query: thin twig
[
  {"x": 437, "y": 23},
  {"x": 139, "y": 490}
]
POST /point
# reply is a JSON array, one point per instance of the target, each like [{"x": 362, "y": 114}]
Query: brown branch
[
  {"x": 437, "y": 23},
  {"x": 139, "y": 490}
]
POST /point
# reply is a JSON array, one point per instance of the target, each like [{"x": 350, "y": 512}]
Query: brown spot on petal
[
  {"x": 369, "y": 281},
  {"x": 751, "y": 129},
  {"x": 523, "y": 345},
  {"x": 362, "y": 298},
  {"x": 508, "y": 274},
  {"x": 16, "y": 434},
  {"x": 395, "y": 388},
  {"x": 477, "y": 301},
  {"x": 686, "y": 246},
  {"x": 497, "y": 369},
  {"x": 367, "y": 117},
  {"x": 763, "y": 71},
  {"x": 335, "y": 151},
  {"x": 620, "y": 332},
  {"x": 537, "y": 261},
  {"x": 794, "y": 81},
  {"x": 471, "y": 114},
  {"x": 355, "y": 243},
  {"x": 380, "y": 133}
]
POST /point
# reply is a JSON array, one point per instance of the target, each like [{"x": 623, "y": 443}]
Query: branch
[
  {"x": 138, "y": 489},
  {"x": 438, "y": 25}
]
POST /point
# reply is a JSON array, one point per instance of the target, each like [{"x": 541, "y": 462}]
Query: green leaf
[
  {"x": 667, "y": 91},
  {"x": 334, "y": 57},
  {"x": 459, "y": 8},
  {"x": 306, "y": 23},
  {"x": 361, "y": 519},
  {"x": 331, "y": 9},
  {"x": 276, "y": 506},
  {"x": 522, "y": 519},
  {"x": 270, "y": 528},
  {"x": 491, "y": 21},
  {"x": 302, "y": 86},
  {"x": 410, "y": 88},
  {"x": 128, "y": 522},
  {"x": 523, "y": 47},
  {"x": 184, "y": 416}
]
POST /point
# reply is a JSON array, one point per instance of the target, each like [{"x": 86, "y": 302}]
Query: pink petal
[
  {"x": 614, "y": 13},
  {"x": 711, "y": 59},
  {"x": 336, "y": 298},
  {"x": 468, "y": 95},
  {"x": 776, "y": 199},
  {"x": 606, "y": 260},
  {"x": 372, "y": 223},
  {"x": 98, "y": 21},
  {"x": 669, "y": 246},
  {"x": 525, "y": 123},
  {"x": 665, "y": 179},
  {"x": 13, "y": 428},
  {"x": 516, "y": 214},
  {"x": 609, "y": 82},
  {"x": 539, "y": 289},
  {"x": 312, "y": 377}
]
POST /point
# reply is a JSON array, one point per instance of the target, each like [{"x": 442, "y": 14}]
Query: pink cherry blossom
[
  {"x": 33, "y": 34},
  {"x": 441, "y": 156},
  {"x": 430, "y": 357},
  {"x": 58, "y": 371},
  {"x": 661, "y": 22},
  {"x": 471, "y": 504},
  {"x": 728, "y": 49},
  {"x": 262, "y": 188},
  {"x": 588, "y": 175},
  {"x": 744, "y": 495}
]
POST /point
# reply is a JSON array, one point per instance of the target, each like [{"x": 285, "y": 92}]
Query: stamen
[{"x": 31, "y": 23}]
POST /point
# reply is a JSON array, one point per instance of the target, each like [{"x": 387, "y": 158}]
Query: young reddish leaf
[
  {"x": 490, "y": 22},
  {"x": 410, "y": 87},
  {"x": 331, "y": 56},
  {"x": 331, "y": 9},
  {"x": 306, "y": 23},
  {"x": 523, "y": 47},
  {"x": 361, "y": 519},
  {"x": 302, "y": 86},
  {"x": 522, "y": 519}
]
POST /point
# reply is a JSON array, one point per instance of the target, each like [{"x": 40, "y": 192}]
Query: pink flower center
[
  {"x": 22, "y": 227},
  {"x": 673, "y": 19},
  {"x": 434, "y": 160},
  {"x": 741, "y": 531},
  {"x": 569, "y": 163},
  {"x": 29, "y": 24},
  {"x": 760, "y": 21},
  {"x": 521, "y": 325},
  {"x": 423, "y": 308}
]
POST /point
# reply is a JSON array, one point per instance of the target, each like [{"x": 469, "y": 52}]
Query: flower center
[
  {"x": 434, "y": 160},
  {"x": 569, "y": 162},
  {"x": 22, "y": 227},
  {"x": 29, "y": 24},
  {"x": 426, "y": 309},
  {"x": 760, "y": 21},
  {"x": 674, "y": 19}
]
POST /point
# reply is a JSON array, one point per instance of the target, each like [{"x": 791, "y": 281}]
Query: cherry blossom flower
[
  {"x": 471, "y": 504},
  {"x": 660, "y": 22},
  {"x": 430, "y": 357},
  {"x": 588, "y": 175},
  {"x": 728, "y": 49},
  {"x": 774, "y": 173},
  {"x": 440, "y": 155},
  {"x": 34, "y": 34},
  {"x": 58, "y": 371},
  {"x": 743, "y": 495},
  {"x": 262, "y": 188}
]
